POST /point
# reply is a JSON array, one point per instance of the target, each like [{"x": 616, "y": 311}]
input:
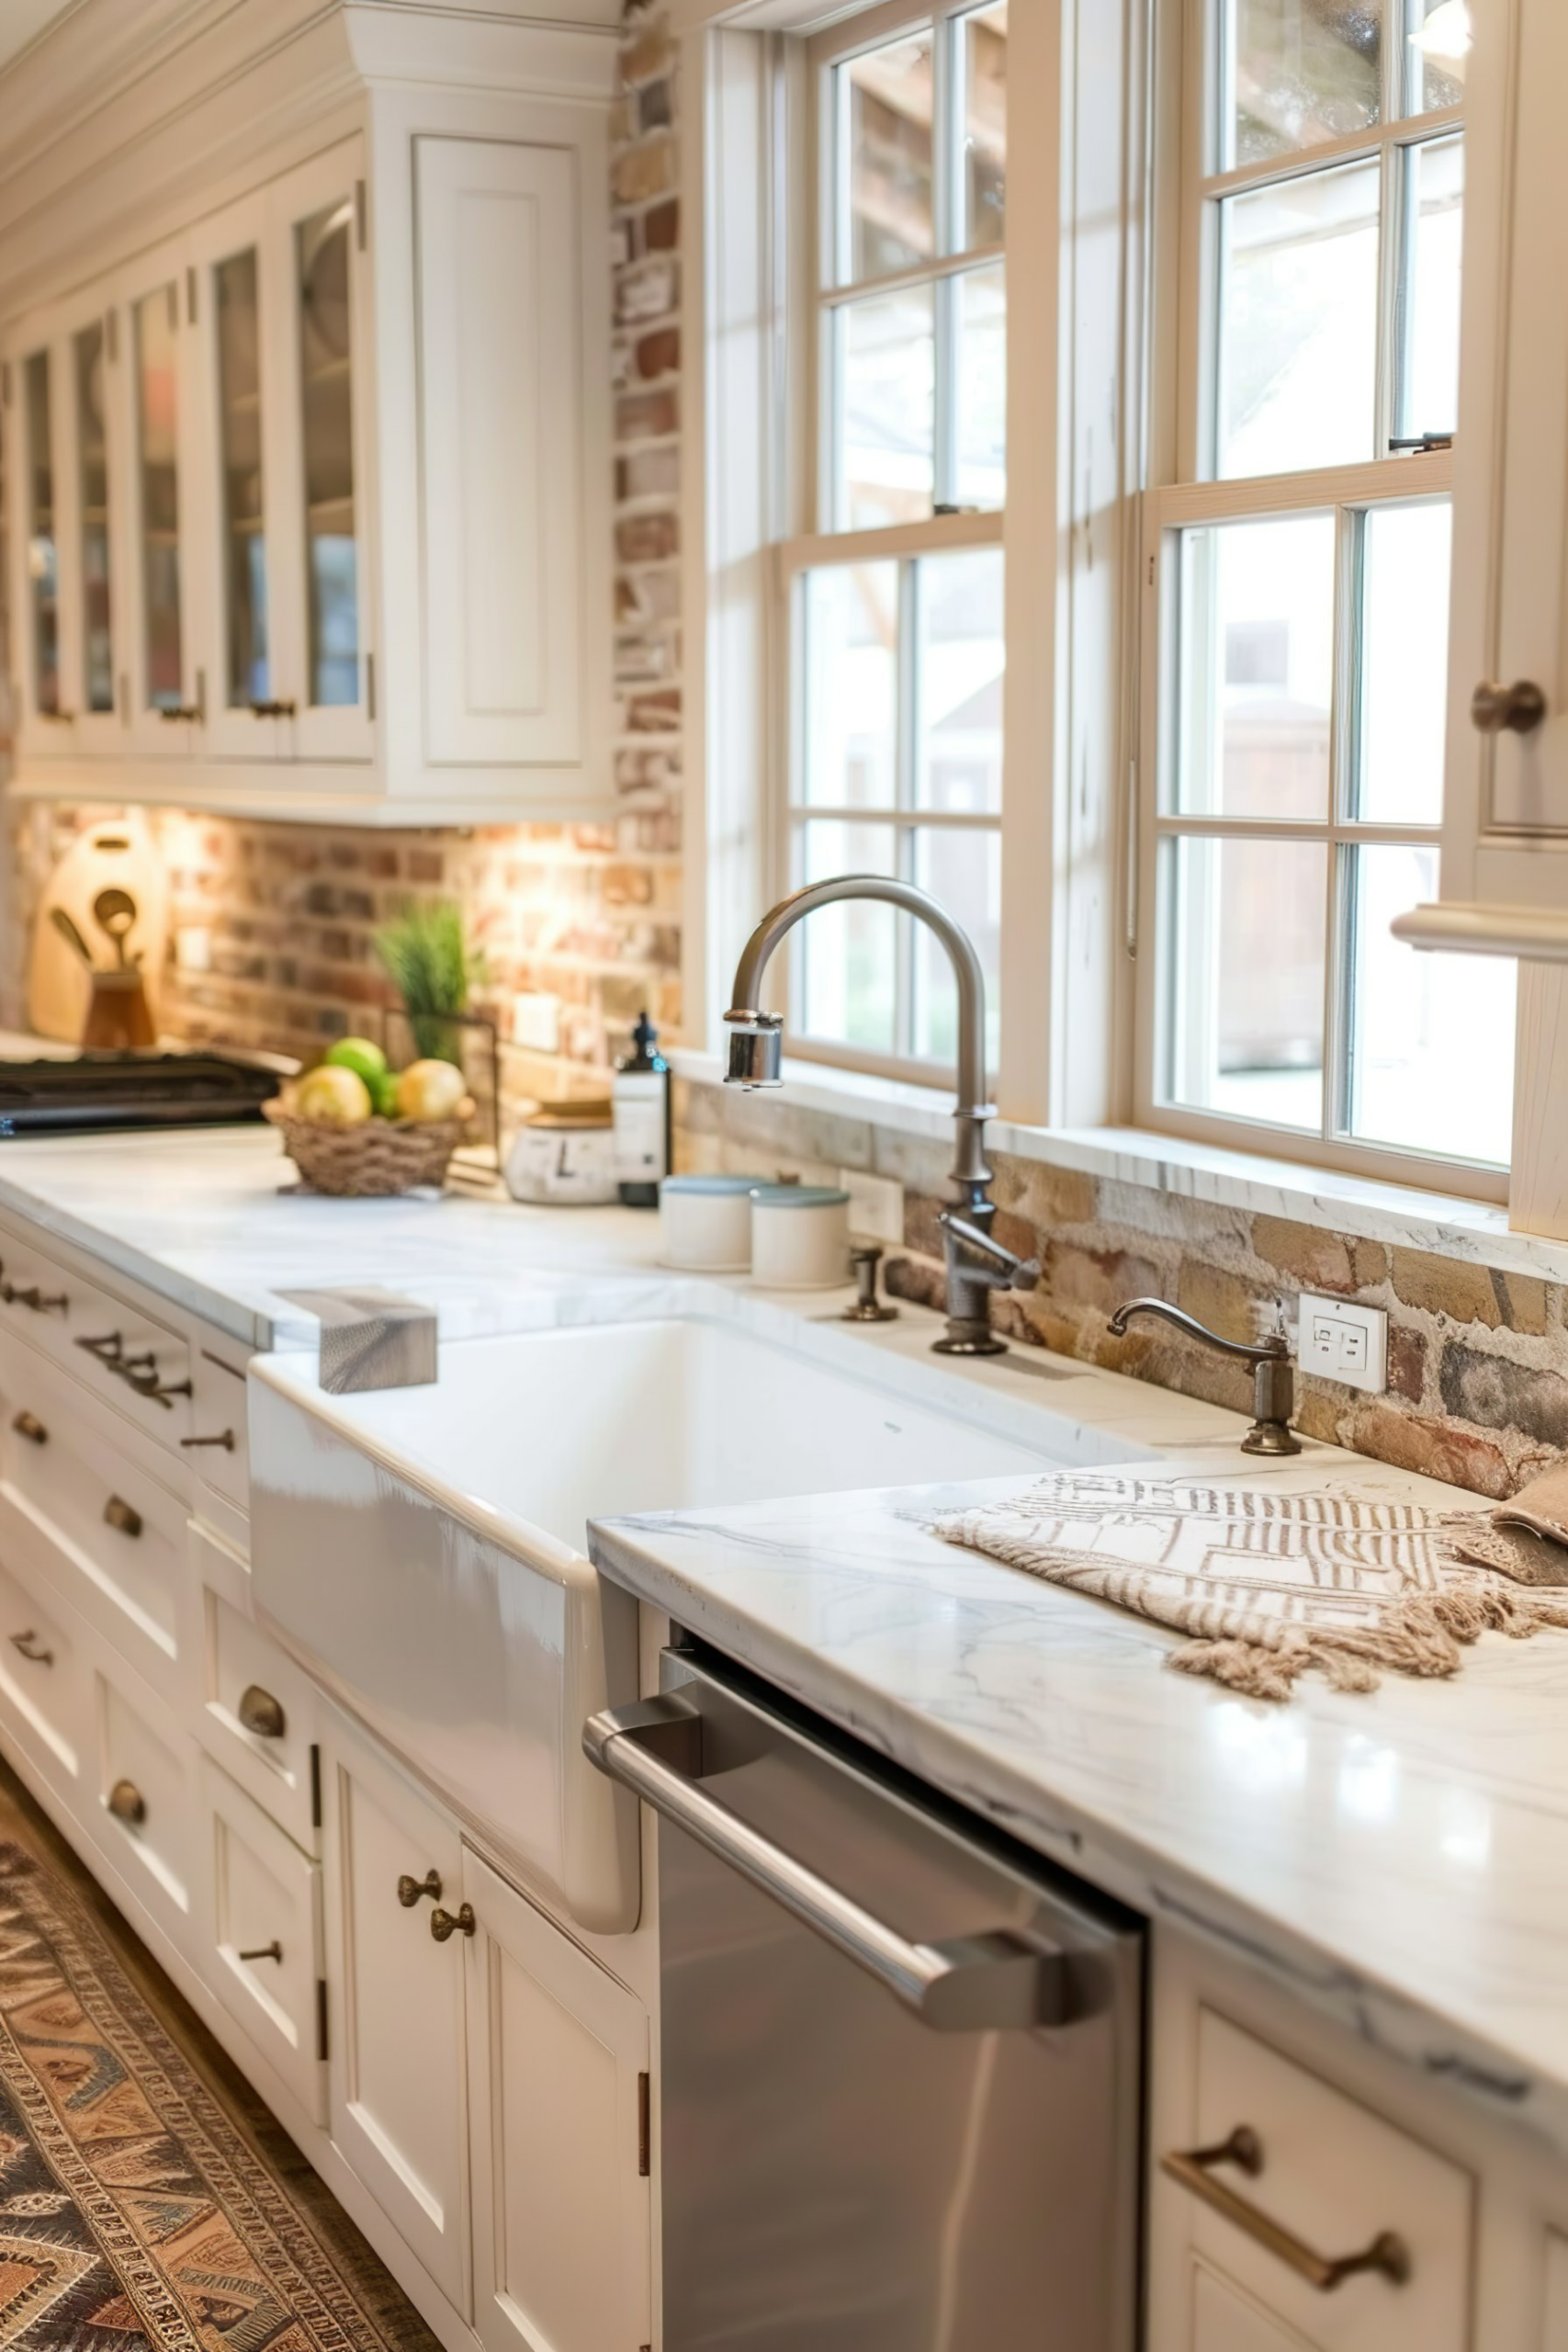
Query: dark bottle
[{"x": 640, "y": 1105}]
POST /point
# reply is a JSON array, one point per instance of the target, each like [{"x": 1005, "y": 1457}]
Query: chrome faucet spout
[{"x": 975, "y": 1264}]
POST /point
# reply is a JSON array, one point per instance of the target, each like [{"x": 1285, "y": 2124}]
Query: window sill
[{"x": 1405, "y": 1216}]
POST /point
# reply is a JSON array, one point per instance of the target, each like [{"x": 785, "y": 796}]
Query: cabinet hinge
[
  {"x": 190, "y": 296},
  {"x": 361, "y": 216},
  {"x": 370, "y": 686},
  {"x": 315, "y": 1786},
  {"x": 321, "y": 2018},
  {"x": 644, "y": 2126}
]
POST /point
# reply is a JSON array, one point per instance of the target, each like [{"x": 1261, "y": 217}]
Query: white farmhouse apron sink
[{"x": 422, "y": 1550}]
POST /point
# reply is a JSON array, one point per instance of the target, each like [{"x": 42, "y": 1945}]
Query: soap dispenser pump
[{"x": 640, "y": 1106}]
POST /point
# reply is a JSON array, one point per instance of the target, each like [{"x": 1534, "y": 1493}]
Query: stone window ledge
[{"x": 1404, "y": 1216}]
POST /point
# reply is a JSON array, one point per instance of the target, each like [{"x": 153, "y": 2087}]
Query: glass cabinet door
[
  {"x": 42, "y": 544},
  {"x": 154, "y": 331},
  {"x": 89, "y": 359},
  {"x": 247, "y": 672},
  {"x": 323, "y": 248}
]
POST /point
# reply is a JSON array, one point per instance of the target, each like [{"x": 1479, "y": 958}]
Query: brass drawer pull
[
  {"x": 108, "y": 1349},
  {"x": 34, "y": 1298},
  {"x": 147, "y": 1384},
  {"x": 277, "y": 709},
  {"x": 444, "y": 1924},
  {"x": 122, "y": 1516},
  {"x": 1193, "y": 2168},
  {"x": 29, "y": 1425},
  {"x": 265, "y": 1952},
  {"x": 127, "y": 1803},
  {"x": 260, "y": 1712},
  {"x": 411, "y": 1890},
  {"x": 225, "y": 1438},
  {"x": 25, "y": 1643}
]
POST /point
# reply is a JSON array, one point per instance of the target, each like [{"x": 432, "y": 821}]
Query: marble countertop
[
  {"x": 1399, "y": 1860},
  {"x": 206, "y": 1218}
]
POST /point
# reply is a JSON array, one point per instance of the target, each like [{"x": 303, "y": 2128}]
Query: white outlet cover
[
  {"x": 1339, "y": 1341},
  {"x": 877, "y": 1205}
]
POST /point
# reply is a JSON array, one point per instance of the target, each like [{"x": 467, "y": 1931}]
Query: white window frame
[
  {"x": 816, "y": 158},
  {"x": 1185, "y": 493}
]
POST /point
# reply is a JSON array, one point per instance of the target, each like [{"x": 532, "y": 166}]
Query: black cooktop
[{"x": 98, "y": 1093}]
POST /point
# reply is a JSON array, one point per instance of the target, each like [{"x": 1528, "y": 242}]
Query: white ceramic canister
[
  {"x": 800, "y": 1236},
  {"x": 705, "y": 1223},
  {"x": 564, "y": 1156}
]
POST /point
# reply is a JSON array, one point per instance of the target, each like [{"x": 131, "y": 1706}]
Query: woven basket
[{"x": 373, "y": 1160}]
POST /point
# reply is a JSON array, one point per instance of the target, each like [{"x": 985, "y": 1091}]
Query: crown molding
[{"x": 127, "y": 118}]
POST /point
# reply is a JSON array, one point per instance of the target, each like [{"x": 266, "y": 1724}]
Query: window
[
  {"x": 895, "y": 594},
  {"x": 1298, "y": 565}
]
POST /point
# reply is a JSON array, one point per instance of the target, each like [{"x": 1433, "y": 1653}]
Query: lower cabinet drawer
[
  {"x": 1287, "y": 2173},
  {"x": 260, "y": 1946},
  {"x": 114, "y": 1537},
  {"x": 147, "y": 1794},
  {"x": 46, "y": 1686},
  {"x": 258, "y": 1717}
]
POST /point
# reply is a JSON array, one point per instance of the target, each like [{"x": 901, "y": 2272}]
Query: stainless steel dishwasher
[{"x": 898, "y": 2104}]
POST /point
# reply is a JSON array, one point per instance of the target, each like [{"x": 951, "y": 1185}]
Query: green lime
[
  {"x": 362, "y": 1056},
  {"x": 384, "y": 1093}
]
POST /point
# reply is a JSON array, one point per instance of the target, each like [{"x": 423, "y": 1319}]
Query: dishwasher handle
[{"x": 963, "y": 1984}]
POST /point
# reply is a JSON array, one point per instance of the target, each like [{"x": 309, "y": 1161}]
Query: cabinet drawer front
[
  {"x": 1224, "y": 2320},
  {"x": 218, "y": 1441},
  {"x": 45, "y": 1684},
  {"x": 1336, "y": 2177},
  {"x": 129, "y": 1359},
  {"x": 258, "y": 1720},
  {"x": 261, "y": 1935},
  {"x": 113, "y": 1536},
  {"x": 147, "y": 1797}
]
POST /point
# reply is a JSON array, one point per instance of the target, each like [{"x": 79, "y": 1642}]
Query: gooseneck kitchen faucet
[{"x": 976, "y": 1265}]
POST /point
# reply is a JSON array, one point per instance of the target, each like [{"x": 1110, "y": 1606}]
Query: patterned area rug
[{"x": 141, "y": 2205}]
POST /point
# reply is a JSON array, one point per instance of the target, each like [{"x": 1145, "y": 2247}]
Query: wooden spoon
[
  {"x": 67, "y": 927},
  {"x": 114, "y": 912}
]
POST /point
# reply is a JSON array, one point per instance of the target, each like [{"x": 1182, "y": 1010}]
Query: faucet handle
[
  {"x": 1011, "y": 1273},
  {"x": 867, "y": 1307}
]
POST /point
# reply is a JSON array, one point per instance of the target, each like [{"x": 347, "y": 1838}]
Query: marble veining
[{"x": 1399, "y": 1860}]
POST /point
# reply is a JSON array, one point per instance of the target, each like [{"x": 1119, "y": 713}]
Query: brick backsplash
[
  {"x": 581, "y": 920},
  {"x": 1478, "y": 1359}
]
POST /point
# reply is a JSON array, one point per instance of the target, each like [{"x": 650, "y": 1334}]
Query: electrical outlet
[
  {"x": 876, "y": 1206},
  {"x": 1344, "y": 1342}
]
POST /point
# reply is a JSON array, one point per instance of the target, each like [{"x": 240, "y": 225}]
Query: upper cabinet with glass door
[
  {"x": 312, "y": 498},
  {"x": 1505, "y": 861}
]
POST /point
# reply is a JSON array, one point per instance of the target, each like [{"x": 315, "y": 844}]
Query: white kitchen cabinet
[
  {"x": 559, "y": 2093},
  {"x": 1224, "y": 2320},
  {"x": 259, "y": 1941},
  {"x": 313, "y": 484},
  {"x": 1554, "y": 2336},
  {"x": 1504, "y": 855},
  {"x": 394, "y": 2019}
]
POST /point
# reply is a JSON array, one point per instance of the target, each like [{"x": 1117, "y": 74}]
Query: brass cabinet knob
[
  {"x": 29, "y": 1425},
  {"x": 225, "y": 1438},
  {"x": 260, "y": 1712},
  {"x": 444, "y": 1924},
  {"x": 122, "y": 1516},
  {"x": 412, "y": 1890},
  {"x": 1497, "y": 710},
  {"x": 127, "y": 1803},
  {"x": 264, "y": 1951}
]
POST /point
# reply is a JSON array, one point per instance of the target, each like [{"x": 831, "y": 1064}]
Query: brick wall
[
  {"x": 1477, "y": 1359},
  {"x": 581, "y": 921}
]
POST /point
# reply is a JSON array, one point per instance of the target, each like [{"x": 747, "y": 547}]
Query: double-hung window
[
  {"x": 1297, "y": 577},
  {"x": 895, "y": 592}
]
